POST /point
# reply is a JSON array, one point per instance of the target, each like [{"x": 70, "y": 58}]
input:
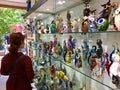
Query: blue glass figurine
[
  {"x": 93, "y": 21},
  {"x": 78, "y": 58},
  {"x": 85, "y": 49},
  {"x": 28, "y": 5},
  {"x": 92, "y": 57}
]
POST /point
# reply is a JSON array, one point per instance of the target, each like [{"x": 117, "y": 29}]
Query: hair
[{"x": 16, "y": 39}]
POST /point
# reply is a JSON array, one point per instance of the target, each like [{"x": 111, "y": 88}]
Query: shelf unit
[
  {"x": 83, "y": 76},
  {"x": 91, "y": 81}
]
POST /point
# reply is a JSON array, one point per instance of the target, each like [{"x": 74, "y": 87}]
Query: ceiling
[
  {"x": 48, "y": 8},
  {"x": 54, "y": 6},
  {"x": 17, "y": 4}
]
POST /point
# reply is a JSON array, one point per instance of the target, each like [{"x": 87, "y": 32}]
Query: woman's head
[{"x": 16, "y": 42}]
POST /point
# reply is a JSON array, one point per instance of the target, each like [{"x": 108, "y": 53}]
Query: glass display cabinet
[
  {"x": 95, "y": 71},
  {"x": 83, "y": 48}
]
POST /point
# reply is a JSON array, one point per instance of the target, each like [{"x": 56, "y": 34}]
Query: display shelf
[
  {"x": 35, "y": 6},
  {"x": 93, "y": 74},
  {"x": 94, "y": 83},
  {"x": 113, "y": 31},
  {"x": 71, "y": 70}
]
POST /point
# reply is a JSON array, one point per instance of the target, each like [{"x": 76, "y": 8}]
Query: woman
[{"x": 22, "y": 74}]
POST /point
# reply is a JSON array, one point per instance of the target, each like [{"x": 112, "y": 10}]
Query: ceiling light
[
  {"x": 40, "y": 14},
  {"x": 71, "y": 11},
  {"x": 48, "y": 9},
  {"x": 60, "y": 2},
  {"x": 64, "y": 1},
  {"x": 42, "y": 23}
]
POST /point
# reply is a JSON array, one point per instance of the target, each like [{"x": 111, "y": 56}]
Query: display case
[
  {"x": 85, "y": 76},
  {"x": 86, "y": 50}
]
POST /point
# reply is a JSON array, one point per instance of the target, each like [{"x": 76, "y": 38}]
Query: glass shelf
[
  {"x": 81, "y": 76},
  {"x": 81, "y": 32},
  {"x": 84, "y": 75}
]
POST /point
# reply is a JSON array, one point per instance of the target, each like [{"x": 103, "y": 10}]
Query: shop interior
[
  {"x": 81, "y": 54},
  {"x": 74, "y": 44}
]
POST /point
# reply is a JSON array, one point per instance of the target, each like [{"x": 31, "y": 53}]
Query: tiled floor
[{"x": 2, "y": 79}]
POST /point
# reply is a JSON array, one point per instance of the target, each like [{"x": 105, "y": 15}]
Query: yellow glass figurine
[{"x": 68, "y": 57}]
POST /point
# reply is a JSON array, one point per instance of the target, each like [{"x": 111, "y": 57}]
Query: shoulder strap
[{"x": 15, "y": 63}]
